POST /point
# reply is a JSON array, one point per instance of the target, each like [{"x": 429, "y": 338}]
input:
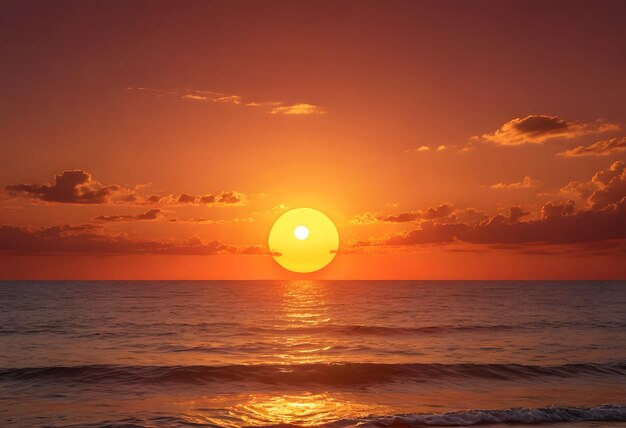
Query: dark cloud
[
  {"x": 186, "y": 199},
  {"x": 539, "y": 128},
  {"x": 229, "y": 198},
  {"x": 555, "y": 209},
  {"x": 70, "y": 187},
  {"x": 539, "y": 124},
  {"x": 207, "y": 199},
  {"x": 402, "y": 217},
  {"x": 79, "y": 187},
  {"x": 557, "y": 226},
  {"x": 516, "y": 214},
  {"x": 441, "y": 211},
  {"x": 467, "y": 215},
  {"x": 152, "y": 214},
  {"x": 599, "y": 148},
  {"x": 600, "y": 217},
  {"x": 224, "y": 198},
  {"x": 84, "y": 240}
]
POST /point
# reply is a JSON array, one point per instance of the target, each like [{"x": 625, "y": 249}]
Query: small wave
[
  {"x": 340, "y": 374},
  {"x": 165, "y": 329},
  {"x": 607, "y": 413},
  {"x": 517, "y": 416},
  {"x": 375, "y": 330}
]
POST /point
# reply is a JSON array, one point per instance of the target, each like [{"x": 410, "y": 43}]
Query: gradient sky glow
[{"x": 446, "y": 140}]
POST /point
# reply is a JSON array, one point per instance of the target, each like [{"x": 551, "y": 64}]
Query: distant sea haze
[{"x": 312, "y": 353}]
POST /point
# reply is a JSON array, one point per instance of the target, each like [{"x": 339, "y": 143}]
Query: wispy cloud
[
  {"x": 526, "y": 183},
  {"x": 152, "y": 214},
  {"x": 432, "y": 213},
  {"x": 298, "y": 109},
  {"x": 423, "y": 149},
  {"x": 599, "y": 148},
  {"x": 537, "y": 129},
  {"x": 418, "y": 149},
  {"x": 272, "y": 107}
]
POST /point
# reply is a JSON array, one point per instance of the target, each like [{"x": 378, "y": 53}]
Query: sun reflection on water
[
  {"x": 306, "y": 409},
  {"x": 304, "y": 312}
]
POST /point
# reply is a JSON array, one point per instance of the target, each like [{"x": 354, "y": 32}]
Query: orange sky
[{"x": 446, "y": 140}]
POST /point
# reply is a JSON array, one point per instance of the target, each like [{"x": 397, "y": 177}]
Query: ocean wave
[
  {"x": 358, "y": 330},
  {"x": 339, "y": 374},
  {"x": 606, "y": 413},
  {"x": 517, "y": 416},
  {"x": 228, "y": 328}
]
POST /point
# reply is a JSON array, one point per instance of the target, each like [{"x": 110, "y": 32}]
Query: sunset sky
[{"x": 445, "y": 140}]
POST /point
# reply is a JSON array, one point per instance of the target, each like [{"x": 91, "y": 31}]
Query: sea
[{"x": 312, "y": 353}]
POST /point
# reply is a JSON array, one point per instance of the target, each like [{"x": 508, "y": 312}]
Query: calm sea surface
[{"x": 333, "y": 353}]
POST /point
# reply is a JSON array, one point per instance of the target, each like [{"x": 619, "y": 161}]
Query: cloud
[
  {"x": 272, "y": 107},
  {"x": 84, "y": 240},
  {"x": 537, "y": 129},
  {"x": 601, "y": 217},
  {"x": 401, "y": 218},
  {"x": 152, "y": 214},
  {"x": 556, "y": 209},
  {"x": 515, "y": 214},
  {"x": 79, "y": 187},
  {"x": 186, "y": 199},
  {"x": 610, "y": 186},
  {"x": 298, "y": 109},
  {"x": 439, "y": 148},
  {"x": 70, "y": 187},
  {"x": 441, "y": 211},
  {"x": 526, "y": 183},
  {"x": 215, "y": 97},
  {"x": 229, "y": 198},
  {"x": 212, "y": 221},
  {"x": 558, "y": 226},
  {"x": 606, "y": 187},
  {"x": 418, "y": 149},
  {"x": 467, "y": 215},
  {"x": 599, "y": 148},
  {"x": 366, "y": 218},
  {"x": 223, "y": 198}
]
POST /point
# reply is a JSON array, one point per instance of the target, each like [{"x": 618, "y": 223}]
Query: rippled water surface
[{"x": 379, "y": 353}]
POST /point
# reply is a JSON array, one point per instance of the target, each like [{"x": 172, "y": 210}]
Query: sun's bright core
[
  {"x": 303, "y": 240},
  {"x": 301, "y": 232}
]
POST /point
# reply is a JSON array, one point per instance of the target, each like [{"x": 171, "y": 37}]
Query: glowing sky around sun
[{"x": 442, "y": 142}]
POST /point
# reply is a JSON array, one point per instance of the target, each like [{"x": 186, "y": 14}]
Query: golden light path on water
[
  {"x": 299, "y": 409},
  {"x": 304, "y": 308}
]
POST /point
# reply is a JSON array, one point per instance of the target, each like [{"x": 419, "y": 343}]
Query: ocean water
[{"x": 312, "y": 353}]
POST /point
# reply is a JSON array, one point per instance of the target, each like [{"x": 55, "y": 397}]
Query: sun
[{"x": 303, "y": 240}]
